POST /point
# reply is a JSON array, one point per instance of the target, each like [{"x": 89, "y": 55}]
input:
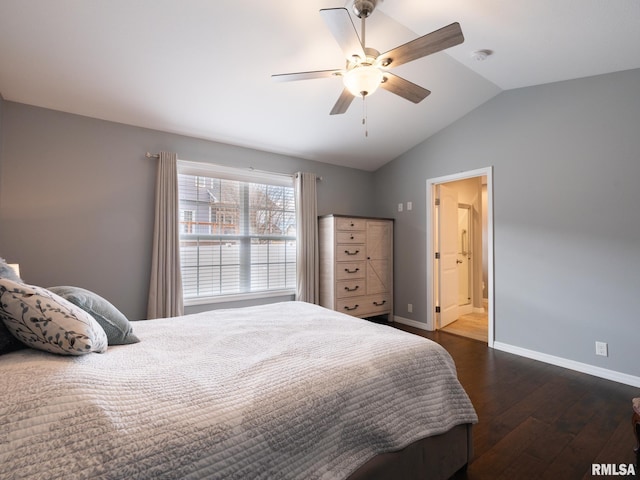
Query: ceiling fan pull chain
[{"x": 364, "y": 115}]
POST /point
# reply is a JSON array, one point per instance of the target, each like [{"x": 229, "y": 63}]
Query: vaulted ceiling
[{"x": 203, "y": 68}]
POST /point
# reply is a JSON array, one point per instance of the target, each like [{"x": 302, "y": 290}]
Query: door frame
[{"x": 431, "y": 217}]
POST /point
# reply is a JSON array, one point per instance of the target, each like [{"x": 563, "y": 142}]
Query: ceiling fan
[{"x": 366, "y": 68}]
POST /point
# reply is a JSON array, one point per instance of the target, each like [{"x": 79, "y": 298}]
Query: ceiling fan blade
[
  {"x": 404, "y": 88},
  {"x": 290, "y": 77},
  {"x": 343, "y": 103},
  {"x": 339, "y": 22},
  {"x": 433, "y": 42}
]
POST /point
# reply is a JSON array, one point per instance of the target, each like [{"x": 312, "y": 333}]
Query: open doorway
[{"x": 460, "y": 254}]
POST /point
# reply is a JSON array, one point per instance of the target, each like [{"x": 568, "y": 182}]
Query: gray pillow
[
  {"x": 7, "y": 272},
  {"x": 112, "y": 321},
  {"x": 8, "y": 343}
]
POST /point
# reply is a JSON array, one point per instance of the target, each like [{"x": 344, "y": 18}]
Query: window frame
[{"x": 241, "y": 175}]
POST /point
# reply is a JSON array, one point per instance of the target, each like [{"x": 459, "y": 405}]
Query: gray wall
[
  {"x": 566, "y": 160},
  {"x": 1, "y": 150},
  {"x": 76, "y": 197}
]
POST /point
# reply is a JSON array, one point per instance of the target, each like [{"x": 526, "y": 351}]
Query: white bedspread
[{"x": 282, "y": 391}]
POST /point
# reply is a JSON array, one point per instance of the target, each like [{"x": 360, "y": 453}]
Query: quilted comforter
[{"x": 281, "y": 391}]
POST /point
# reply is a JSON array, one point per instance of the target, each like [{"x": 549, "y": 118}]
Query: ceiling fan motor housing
[{"x": 364, "y": 8}]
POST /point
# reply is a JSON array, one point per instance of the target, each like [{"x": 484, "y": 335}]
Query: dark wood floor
[{"x": 538, "y": 421}]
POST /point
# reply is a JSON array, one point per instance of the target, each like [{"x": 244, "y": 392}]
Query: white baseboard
[
  {"x": 546, "y": 358},
  {"x": 411, "y": 323},
  {"x": 570, "y": 364}
]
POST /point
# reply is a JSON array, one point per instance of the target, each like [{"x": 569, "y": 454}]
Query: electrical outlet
[
  {"x": 410, "y": 307},
  {"x": 399, "y": 207},
  {"x": 409, "y": 205},
  {"x": 601, "y": 349}
]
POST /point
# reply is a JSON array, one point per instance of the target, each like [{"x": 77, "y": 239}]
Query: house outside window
[
  {"x": 186, "y": 221},
  {"x": 238, "y": 233}
]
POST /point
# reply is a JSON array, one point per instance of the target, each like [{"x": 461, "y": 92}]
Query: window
[
  {"x": 186, "y": 221},
  {"x": 238, "y": 232}
]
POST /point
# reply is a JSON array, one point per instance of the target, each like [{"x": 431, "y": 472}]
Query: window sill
[{"x": 188, "y": 302}]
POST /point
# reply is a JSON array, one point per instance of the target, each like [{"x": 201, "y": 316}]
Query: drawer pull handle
[
  {"x": 352, "y": 289},
  {"x": 351, "y": 237},
  {"x": 352, "y": 253},
  {"x": 351, "y": 271},
  {"x": 351, "y": 308},
  {"x": 353, "y": 224},
  {"x": 379, "y": 304}
]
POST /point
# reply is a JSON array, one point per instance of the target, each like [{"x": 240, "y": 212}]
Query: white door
[{"x": 448, "y": 254}]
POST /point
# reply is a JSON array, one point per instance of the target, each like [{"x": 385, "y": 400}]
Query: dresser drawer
[
  {"x": 349, "y": 224},
  {"x": 349, "y": 238},
  {"x": 351, "y": 306},
  {"x": 350, "y": 288},
  {"x": 365, "y": 306},
  {"x": 345, "y": 270},
  {"x": 377, "y": 304},
  {"x": 349, "y": 253}
]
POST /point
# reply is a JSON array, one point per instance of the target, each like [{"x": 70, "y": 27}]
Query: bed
[{"x": 280, "y": 391}]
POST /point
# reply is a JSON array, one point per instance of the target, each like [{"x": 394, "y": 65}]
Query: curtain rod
[
  {"x": 292, "y": 175},
  {"x": 157, "y": 155}
]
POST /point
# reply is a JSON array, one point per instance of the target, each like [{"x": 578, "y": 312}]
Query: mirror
[{"x": 464, "y": 254}]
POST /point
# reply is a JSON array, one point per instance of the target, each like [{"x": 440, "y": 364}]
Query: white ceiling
[{"x": 202, "y": 67}]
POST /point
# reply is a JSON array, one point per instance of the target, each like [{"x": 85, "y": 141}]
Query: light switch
[{"x": 409, "y": 205}]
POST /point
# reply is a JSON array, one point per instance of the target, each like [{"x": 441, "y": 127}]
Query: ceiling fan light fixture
[{"x": 363, "y": 80}]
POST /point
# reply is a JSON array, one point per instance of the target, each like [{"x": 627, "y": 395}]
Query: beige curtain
[
  {"x": 165, "y": 288},
  {"x": 307, "y": 275}
]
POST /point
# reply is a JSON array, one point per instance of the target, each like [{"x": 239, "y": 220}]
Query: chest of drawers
[{"x": 356, "y": 265}]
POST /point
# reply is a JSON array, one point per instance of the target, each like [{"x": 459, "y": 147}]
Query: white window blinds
[{"x": 237, "y": 235}]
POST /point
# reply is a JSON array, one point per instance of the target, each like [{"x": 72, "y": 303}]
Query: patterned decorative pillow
[
  {"x": 43, "y": 320},
  {"x": 117, "y": 327}
]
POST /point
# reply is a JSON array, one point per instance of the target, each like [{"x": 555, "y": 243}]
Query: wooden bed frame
[{"x": 431, "y": 458}]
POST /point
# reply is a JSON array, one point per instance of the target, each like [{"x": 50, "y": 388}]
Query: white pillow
[{"x": 43, "y": 320}]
